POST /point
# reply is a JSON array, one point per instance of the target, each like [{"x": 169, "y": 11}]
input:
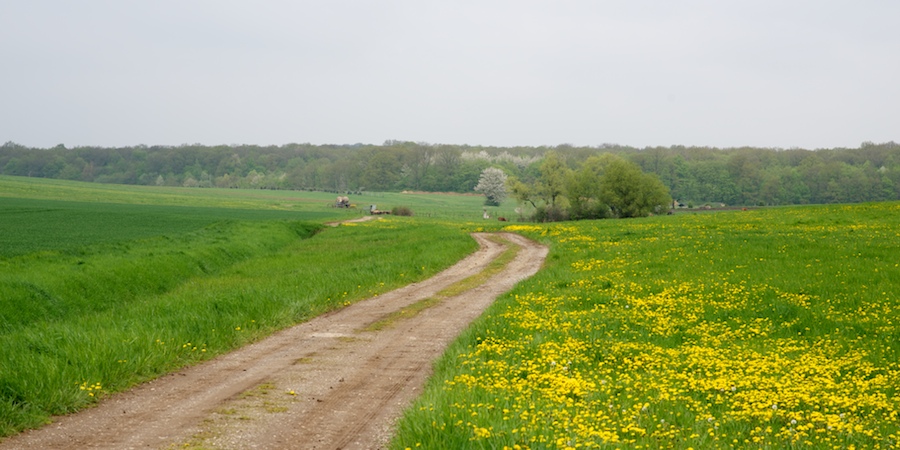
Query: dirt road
[{"x": 325, "y": 384}]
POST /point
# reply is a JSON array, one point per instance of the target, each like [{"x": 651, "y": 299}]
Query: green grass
[
  {"x": 99, "y": 313},
  {"x": 771, "y": 328},
  {"x": 775, "y": 328},
  {"x": 454, "y": 207},
  {"x": 255, "y": 199},
  {"x": 29, "y": 225}
]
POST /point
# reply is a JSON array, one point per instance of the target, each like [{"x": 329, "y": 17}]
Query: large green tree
[
  {"x": 583, "y": 189},
  {"x": 552, "y": 182},
  {"x": 630, "y": 192}
]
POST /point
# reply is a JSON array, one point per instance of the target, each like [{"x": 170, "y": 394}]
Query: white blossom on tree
[{"x": 492, "y": 184}]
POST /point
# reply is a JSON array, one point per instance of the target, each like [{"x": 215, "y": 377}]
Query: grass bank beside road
[
  {"x": 773, "y": 328},
  {"x": 102, "y": 312}
]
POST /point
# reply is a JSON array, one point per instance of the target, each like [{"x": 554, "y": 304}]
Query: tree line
[{"x": 693, "y": 175}]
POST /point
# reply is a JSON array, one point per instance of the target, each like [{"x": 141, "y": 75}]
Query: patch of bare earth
[
  {"x": 330, "y": 383},
  {"x": 357, "y": 220}
]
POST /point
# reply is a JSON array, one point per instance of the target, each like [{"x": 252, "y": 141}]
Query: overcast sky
[{"x": 767, "y": 73}]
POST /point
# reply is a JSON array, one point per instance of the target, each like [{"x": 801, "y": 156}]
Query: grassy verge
[
  {"x": 78, "y": 324},
  {"x": 761, "y": 329}
]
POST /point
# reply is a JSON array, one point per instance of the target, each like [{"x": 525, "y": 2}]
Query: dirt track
[{"x": 324, "y": 384}]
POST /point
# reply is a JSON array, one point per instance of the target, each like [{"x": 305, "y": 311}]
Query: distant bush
[
  {"x": 401, "y": 211},
  {"x": 547, "y": 213}
]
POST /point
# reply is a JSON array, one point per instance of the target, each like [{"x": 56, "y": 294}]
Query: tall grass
[{"x": 773, "y": 328}]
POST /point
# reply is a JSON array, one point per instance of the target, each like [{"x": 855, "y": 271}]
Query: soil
[
  {"x": 357, "y": 220},
  {"x": 329, "y": 383}
]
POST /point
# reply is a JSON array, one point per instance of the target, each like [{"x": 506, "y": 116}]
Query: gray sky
[{"x": 768, "y": 73}]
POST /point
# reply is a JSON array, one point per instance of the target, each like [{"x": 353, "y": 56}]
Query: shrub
[
  {"x": 401, "y": 211},
  {"x": 549, "y": 213}
]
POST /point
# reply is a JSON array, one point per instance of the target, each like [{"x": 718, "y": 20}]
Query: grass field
[
  {"x": 314, "y": 205},
  {"x": 774, "y": 328},
  {"x": 30, "y": 225},
  {"x": 771, "y": 328},
  {"x": 96, "y": 296}
]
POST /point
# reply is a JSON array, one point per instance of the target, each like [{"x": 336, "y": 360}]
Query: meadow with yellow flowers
[
  {"x": 761, "y": 329},
  {"x": 771, "y": 328}
]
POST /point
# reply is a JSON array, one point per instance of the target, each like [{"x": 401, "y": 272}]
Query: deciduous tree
[
  {"x": 492, "y": 184},
  {"x": 630, "y": 192},
  {"x": 583, "y": 190},
  {"x": 552, "y": 182}
]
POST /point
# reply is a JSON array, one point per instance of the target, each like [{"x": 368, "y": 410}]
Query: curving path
[{"x": 324, "y": 384}]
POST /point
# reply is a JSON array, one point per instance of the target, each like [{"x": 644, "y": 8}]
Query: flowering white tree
[{"x": 492, "y": 184}]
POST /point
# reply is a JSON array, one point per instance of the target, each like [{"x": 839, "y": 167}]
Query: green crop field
[
  {"x": 30, "y": 225},
  {"x": 455, "y": 207}
]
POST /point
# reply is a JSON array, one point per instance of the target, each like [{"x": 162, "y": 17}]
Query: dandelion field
[{"x": 773, "y": 328}]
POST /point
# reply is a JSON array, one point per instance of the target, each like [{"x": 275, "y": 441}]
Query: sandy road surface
[{"x": 324, "y": 384}]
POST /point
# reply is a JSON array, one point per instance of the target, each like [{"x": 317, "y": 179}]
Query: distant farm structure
[{"x": 342, "y": 202}]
